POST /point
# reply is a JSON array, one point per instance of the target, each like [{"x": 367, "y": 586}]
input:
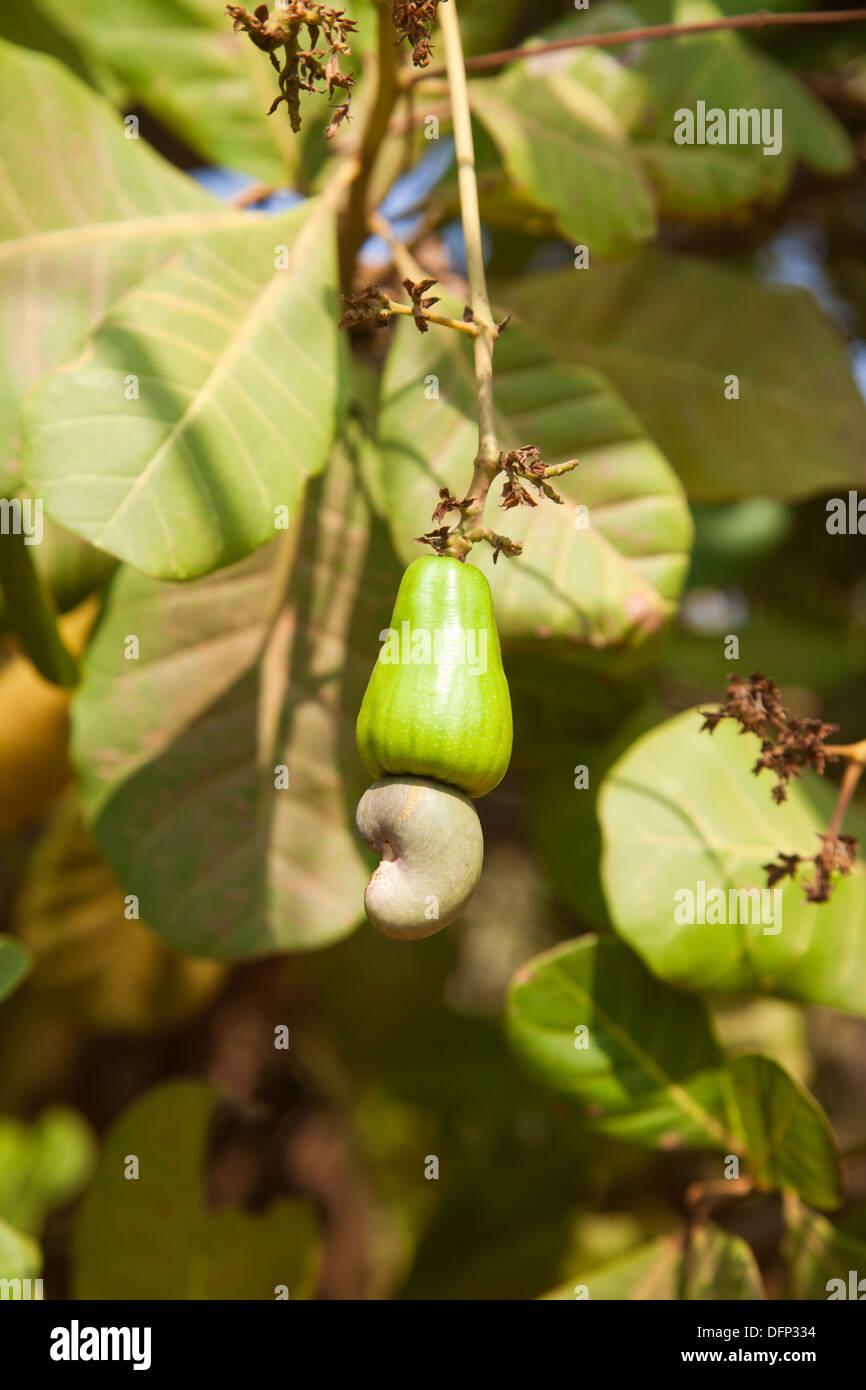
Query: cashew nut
[{"x": 431, "y": 846}]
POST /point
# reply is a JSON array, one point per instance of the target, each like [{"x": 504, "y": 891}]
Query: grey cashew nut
[{"x": 431, "y": 846}]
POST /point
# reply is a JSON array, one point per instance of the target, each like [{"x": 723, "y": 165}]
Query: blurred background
[{"x": 123, "y": 1036}]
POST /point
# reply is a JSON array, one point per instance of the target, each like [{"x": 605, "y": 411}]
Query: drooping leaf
[
  {"x": 788, "y": 1142},
  {"x": 93, "y": 960},
  {"x": 696, "y": 821},
  {"x": 240, "y": 378},
  {"x": 668, "y": 331},
  {"x": 567, "y": 152},
  {"x": 42, "y": 1164},
  {"x": 711, "y": 1264},
  {"x": 638, "y": 1057},
  {"x": 14, "y": 964},
  {"x": 254, "y": 669},
  {"x": 611, "y": 582},
  {"x": 71, "y": 241},
  {"x": 153, "y": 1236}
]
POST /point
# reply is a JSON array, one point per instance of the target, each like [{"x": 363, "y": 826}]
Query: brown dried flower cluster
[
  {"x": 312, "y": 69},
  {"x": 788, "y": 744},
  {"x": 517, "y": 463},
  {"x": 526, "y": 463},
  {"x": 795, "y": 743},
  {"x": 836, "y": 855},
  {"x": 414, "y": 20}
]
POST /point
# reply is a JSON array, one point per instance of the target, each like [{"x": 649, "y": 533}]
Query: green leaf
[
  {"x": 667, "y": 331},
  {"x": 613, "y": 583},
  {"x": 713, "y": 1265},
  {"x": 788, "y": 1141},
  {"x": 725, "y": 72},
  {"x": 567, "y": 152},
  {"x": 39, "y": 24},
  {"x": 241, "y": 375},
  {"x": 71, "y": 242},
  {"x": 42, "y": 1165},
  {"x": 14, "y": 965},
  {"x": 818, "y": 1256},
  {"x": 690, "y": 812},
  {"x": 181, "y": 60},
  {"x": 646, "y": 1068},
  {"x": 93, "y": 962},
  {"x": 20, "y": 1257},
  {"x": 154, "y": 1237},
  {"x": 256, "y": 668}
]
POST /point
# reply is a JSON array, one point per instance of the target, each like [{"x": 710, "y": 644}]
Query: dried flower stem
[
  {"x": 851, "y": 776},
  {"x": 486, "y": 465},
  {"x": 471, "y": 329}
]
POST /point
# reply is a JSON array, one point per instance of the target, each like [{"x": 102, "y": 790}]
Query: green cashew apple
[{"x": 437, "y": 704}]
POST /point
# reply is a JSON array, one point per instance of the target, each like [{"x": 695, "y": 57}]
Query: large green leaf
[
  {"x": 42, "y": 1164},
  {"x": 567, "y": 151},
  {"x": 788, "y": 1142},
  {"x": 711, "y": 1264},
  {"x": 182, "y": 62},
  {"x": 14, "y": 965},
  {"x": 241, "y": 379},
  {"x": 817, "y": 1253},
  {"x": 254, "y": 668},
  {"x": 72, "y": 238},
  {"x": 682, "y": 809},
  {"x": 152, "y": 1235},
  {"x": 646, "y": 1066},
  {"x": 612, "y": 583},
  {"x": 725, "y": 72},
  {"x": 667, "y": 331}
]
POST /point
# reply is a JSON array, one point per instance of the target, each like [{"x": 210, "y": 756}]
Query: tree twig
[
  {"x": 486, "y": 464},
  {"x": 759, "y": 19}
]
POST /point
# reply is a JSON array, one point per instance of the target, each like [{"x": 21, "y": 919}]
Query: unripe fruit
[
  {"x": 430, "y": 840},
  {"x": 437, "y": 704}
]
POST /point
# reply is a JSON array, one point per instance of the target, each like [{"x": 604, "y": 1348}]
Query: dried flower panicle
[
  {"x": 414, "y": 20},
  {"x": 526, "y": 463},
  {"x": 369, "y": 305},
  {"x": 420, "y": 300},
  {"x": 788, "y": 744},
  {"x": 837, "y": 855},
  {"x": 312, "y": 69}
]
